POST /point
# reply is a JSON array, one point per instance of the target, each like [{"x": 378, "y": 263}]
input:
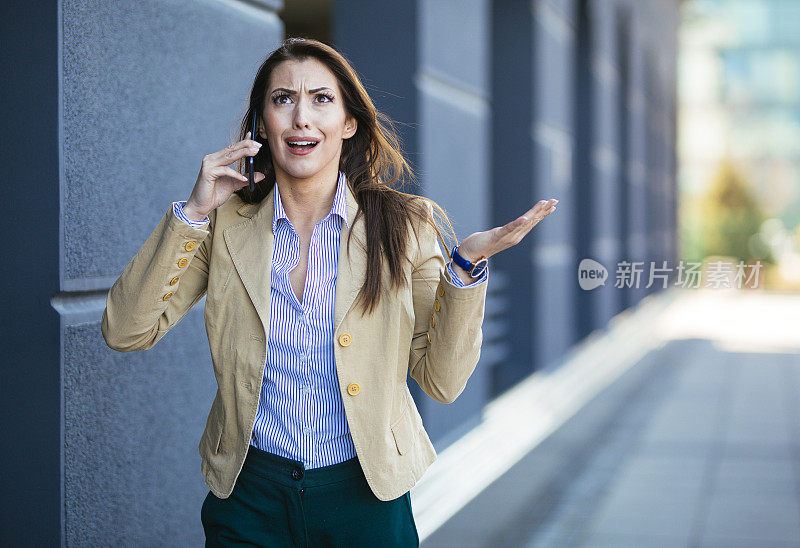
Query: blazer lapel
[
  {"x": 352, "y": 267},
  {"x": 250, "y": 244}
]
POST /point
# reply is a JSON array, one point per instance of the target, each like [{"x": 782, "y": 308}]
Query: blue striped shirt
[{"x": 300, "y": 413}]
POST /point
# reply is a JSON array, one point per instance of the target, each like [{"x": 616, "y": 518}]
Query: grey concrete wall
[
  {"x": 513, "y": 183},
  {"x": 147, "y": 89},
  {"x": 553, "y": 130}
]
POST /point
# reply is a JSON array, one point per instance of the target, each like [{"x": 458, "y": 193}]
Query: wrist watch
[{"x": 474, "y": 269}]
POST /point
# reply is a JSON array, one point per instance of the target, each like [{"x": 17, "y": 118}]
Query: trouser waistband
[{"x": 293, "y": 473}]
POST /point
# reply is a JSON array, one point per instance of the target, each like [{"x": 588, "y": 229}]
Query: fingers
[
  {"x": 219, "y": 171},
  {"x": 513, "y": 232},
  {"x": 522, "y": 224},
  {"x": 233, "y": 152},
  {"x": 541, "y": 208},
  {"x": 539, "y": 211},
  {"x": 242, "y": 181}
]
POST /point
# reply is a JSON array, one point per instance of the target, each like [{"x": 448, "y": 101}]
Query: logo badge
[{"x": 591, "y": 274}]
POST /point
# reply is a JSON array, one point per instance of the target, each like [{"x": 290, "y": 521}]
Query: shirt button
[
  {"x": 168, "y": 296},
  {"x": 353, "y": 388},
  {"x": 183, "y": 262},
  {"x": 436, "y": 305},
  {"x": 345, "y": 339},
  {"x": 306, "y": 430},
  {"x": 441, "y": 291},
  {"x": 189, "y": 246},
  {"x": 174, "y": 280},
  {"x": 306, "y": 389}
]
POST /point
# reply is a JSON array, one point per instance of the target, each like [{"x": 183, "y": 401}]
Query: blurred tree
[{"x": 732, "y": 217}]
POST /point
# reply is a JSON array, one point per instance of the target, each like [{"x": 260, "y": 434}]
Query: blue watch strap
[
  {"x": 465, "y": 264},
  {"x": 460, "y": 261}
]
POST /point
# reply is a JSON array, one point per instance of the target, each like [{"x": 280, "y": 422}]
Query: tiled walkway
[{"x": 698, "y": 444}]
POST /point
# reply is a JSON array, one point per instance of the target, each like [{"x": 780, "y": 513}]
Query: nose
[{"x": 301, "y": 116}]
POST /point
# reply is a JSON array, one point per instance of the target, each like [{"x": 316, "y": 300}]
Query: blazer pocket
[
  {"x": 401, "y": 430},
  {"x": 217, "y": 435}
]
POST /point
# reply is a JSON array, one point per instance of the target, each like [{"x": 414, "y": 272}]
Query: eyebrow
[{"x": 293, "y": 92}]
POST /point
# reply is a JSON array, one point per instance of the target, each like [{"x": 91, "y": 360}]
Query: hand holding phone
[{"x": 217, "y": 180}]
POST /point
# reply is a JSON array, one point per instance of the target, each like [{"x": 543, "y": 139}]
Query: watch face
[{"x": 480, "y": 266}]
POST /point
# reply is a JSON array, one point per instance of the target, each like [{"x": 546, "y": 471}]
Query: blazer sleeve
[
  {"x": 446, "y": 344},
  {"x": 160, "y": 284}
]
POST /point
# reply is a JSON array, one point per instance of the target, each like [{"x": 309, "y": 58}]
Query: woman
[{"x": 324, "y": 286}]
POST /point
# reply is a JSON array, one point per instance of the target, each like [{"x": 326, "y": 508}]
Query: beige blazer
[{"x": 431, "y": 326}]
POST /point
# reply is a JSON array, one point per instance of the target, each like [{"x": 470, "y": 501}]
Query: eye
[
  {"x": 328, "y": 98},
  {"x": 277, "y": 99}
]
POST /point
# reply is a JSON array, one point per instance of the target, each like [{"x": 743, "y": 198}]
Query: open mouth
[{"x": 302, "y": 145}]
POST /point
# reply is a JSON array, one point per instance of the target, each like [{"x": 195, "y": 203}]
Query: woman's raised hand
[
  {"x": 217, "y": 181},
  {"x": 489, "y": 242}
]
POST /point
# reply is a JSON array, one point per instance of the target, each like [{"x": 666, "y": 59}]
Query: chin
[
  {"x": 303, "y": 172},
  {"x": 301, "y": 169}
]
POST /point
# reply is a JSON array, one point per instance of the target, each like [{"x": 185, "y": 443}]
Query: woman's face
[{"x": 305, "y": 119}]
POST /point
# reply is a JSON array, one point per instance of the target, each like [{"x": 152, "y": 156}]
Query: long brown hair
[{"x": 372, "y": 160}]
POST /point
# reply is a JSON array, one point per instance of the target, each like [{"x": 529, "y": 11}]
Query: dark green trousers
[{"x": 277, "y": 502}]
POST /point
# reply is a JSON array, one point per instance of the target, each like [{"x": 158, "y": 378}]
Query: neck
[{"x": 307, "y": 200}]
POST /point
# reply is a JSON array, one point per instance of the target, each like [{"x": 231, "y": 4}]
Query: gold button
[
  {"x": 436, "y": 305},
  {"x": 189, "y": 246},
  {"x": 353, "y": 388},
  {"x": 344, "y": 340},
  {"x": 429, "y": 336},
  {"x": 432, "y": 322},
  {"x": 441, "y": 291},
  {"x": 167, "y": 296},
  {"x": 174, "y": 280},
  {"x": 183, "y": 262}
]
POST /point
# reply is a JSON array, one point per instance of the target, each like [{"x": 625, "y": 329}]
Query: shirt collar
[{"x": 339, "y": 206}]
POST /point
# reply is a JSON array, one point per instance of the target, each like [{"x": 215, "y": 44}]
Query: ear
[{"x": 350, "y": 127}]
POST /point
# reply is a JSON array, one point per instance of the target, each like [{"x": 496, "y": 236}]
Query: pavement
[{"x": 696, "y": 443}]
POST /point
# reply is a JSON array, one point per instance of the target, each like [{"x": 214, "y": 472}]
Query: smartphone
[{"x": 250, "y": 169}]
